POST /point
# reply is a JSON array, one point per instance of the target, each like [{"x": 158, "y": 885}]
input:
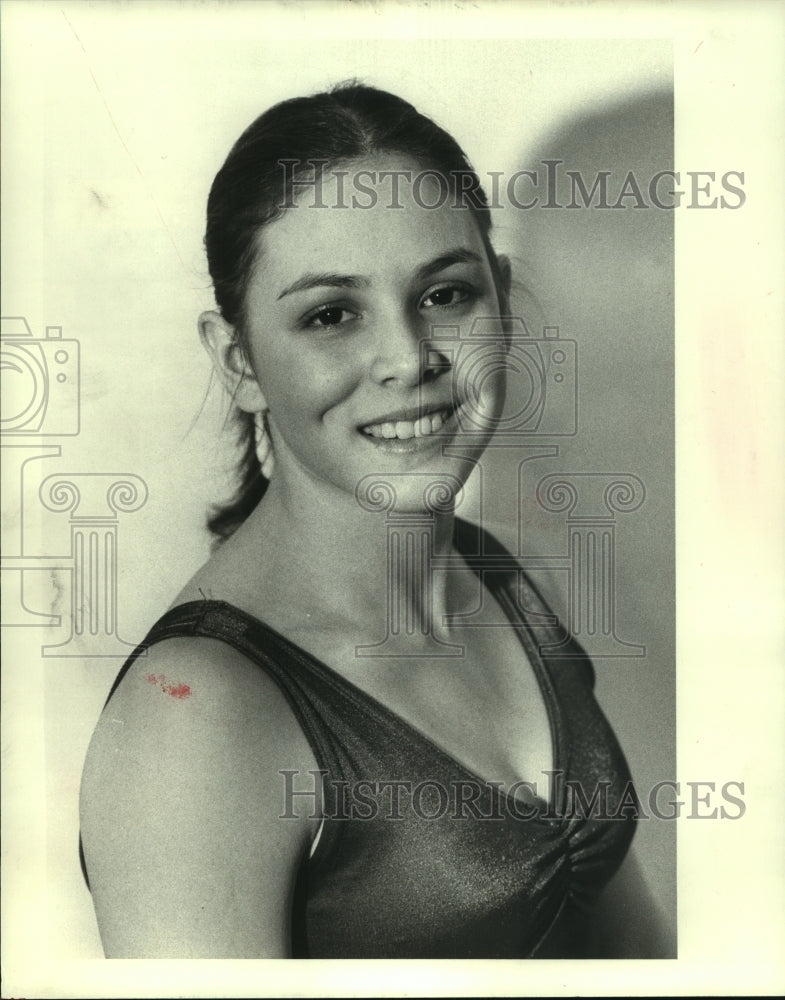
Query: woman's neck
[{"x": 330, "y": 562}]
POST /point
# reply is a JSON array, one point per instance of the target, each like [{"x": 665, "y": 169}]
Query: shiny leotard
[{"x": 418, "y": 857}]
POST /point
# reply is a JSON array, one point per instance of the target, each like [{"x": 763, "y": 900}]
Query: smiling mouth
[{"x": 404, "y": 430}]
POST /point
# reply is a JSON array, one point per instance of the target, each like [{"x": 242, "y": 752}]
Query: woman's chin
[{"x": 429, "y": 489}]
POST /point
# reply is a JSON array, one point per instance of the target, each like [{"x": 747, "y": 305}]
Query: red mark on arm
[
  {"x": 178, "y": 690},
  {"x": 175, "y": 690}
]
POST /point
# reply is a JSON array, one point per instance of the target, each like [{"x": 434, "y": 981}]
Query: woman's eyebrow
[
  {"x": 459, "y": 255},
  {"x": 325, "y": 279},
  {"x": 329, "y": 279}
]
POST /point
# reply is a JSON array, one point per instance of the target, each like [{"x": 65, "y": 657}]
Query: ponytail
[{"x": 226, "y": 518}]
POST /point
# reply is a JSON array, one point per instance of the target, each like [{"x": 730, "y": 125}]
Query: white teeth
[{"x": 405, "y": 429}]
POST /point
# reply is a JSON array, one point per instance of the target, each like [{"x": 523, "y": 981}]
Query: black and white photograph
[{"x": 391, "y": 434}]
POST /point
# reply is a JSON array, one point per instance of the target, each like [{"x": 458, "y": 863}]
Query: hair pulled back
[{"x": 252, "y": 189}]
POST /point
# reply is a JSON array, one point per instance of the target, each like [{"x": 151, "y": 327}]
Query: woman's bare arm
[{"x": 181, "y": 798}]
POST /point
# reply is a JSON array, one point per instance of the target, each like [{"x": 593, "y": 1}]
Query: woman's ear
[{"x": 230, "y": 362}]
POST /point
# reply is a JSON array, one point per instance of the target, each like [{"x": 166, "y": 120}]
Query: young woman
[{"x": 340, "y": 745}]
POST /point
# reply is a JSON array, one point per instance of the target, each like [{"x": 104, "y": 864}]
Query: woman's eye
[
  {"x": 329, "y": 316},
  {"x": 450, "y": 295}
]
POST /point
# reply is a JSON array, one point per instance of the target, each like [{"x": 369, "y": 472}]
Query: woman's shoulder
[
  {"x": 197, "y": 688},
  {"x": 194, "y": 709},
  {"x": 181, "y": 806}
]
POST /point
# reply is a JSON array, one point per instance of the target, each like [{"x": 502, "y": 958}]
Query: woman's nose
[{"x": 406, "y": 355}]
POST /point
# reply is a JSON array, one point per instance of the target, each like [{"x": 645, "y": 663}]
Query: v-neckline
[{"x": 518, "y": 621}]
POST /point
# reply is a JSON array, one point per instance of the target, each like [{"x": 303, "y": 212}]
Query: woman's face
[{"x": 341, "y": 311}]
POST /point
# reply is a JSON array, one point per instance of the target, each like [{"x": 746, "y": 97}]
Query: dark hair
[{"x": 252, "y": 189}]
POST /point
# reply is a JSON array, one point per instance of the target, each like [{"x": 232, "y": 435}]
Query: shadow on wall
[{"x": 602, "y": 272}]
